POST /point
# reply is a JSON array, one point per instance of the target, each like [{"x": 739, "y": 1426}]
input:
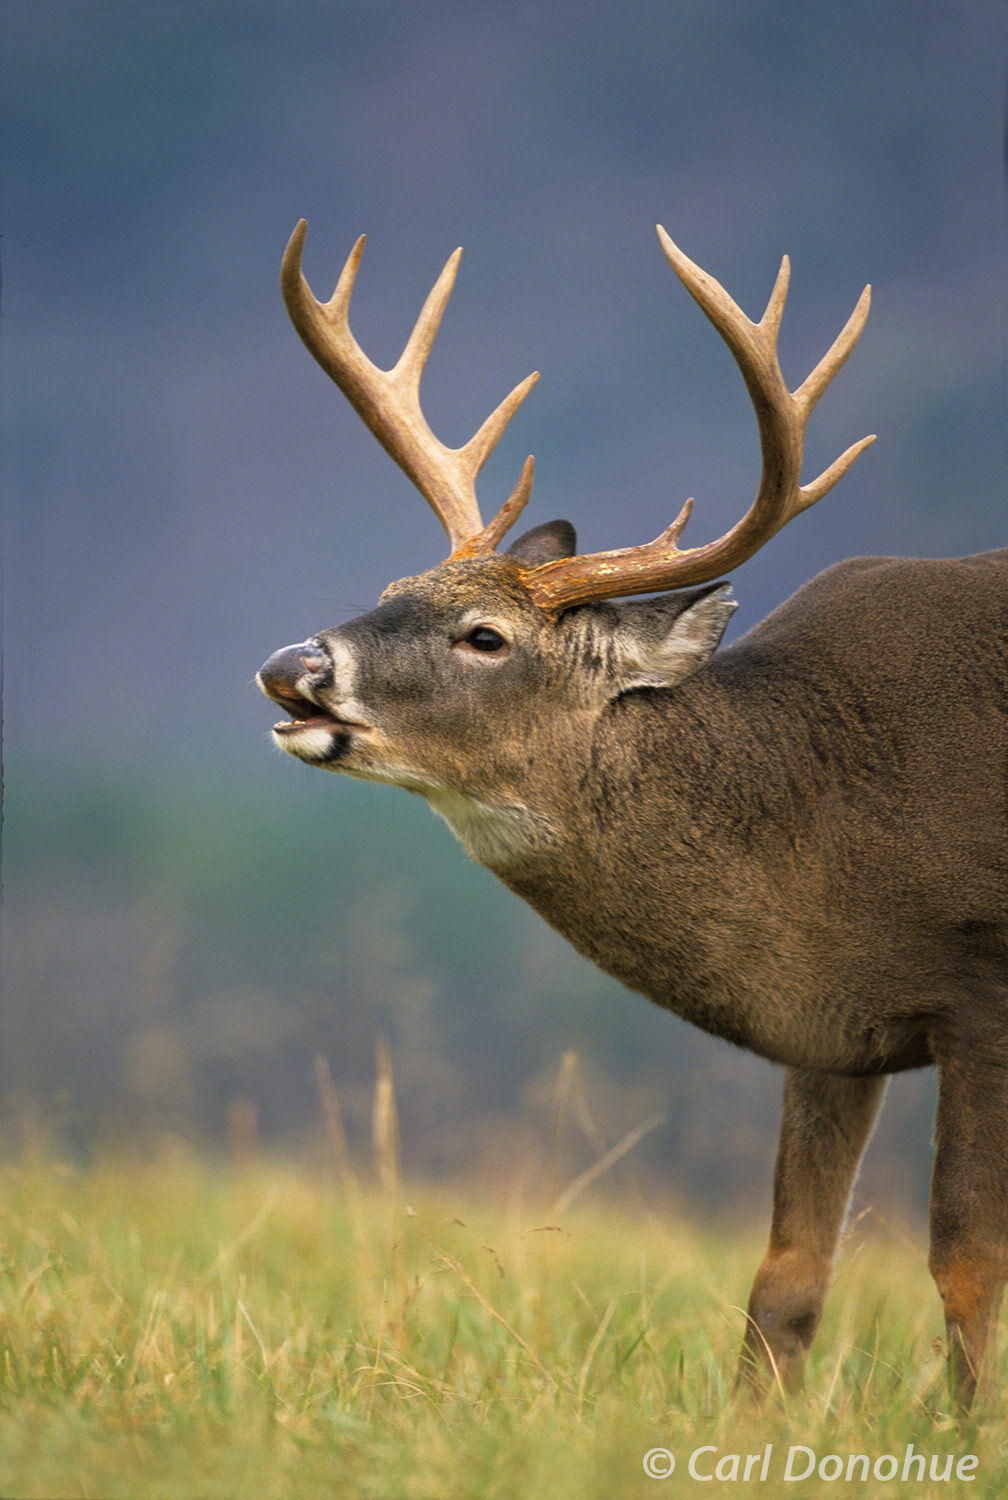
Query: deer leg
[
  {"x": 826, "y": 1124},
  {"x": 969, "y": 1212}
]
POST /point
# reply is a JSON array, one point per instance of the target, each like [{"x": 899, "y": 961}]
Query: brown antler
[
  {"x": 389, "y": 400},
  {"x": 781, "y": 416}
]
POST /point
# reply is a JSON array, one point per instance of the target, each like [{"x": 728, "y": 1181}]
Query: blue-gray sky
[{"x": 186, "y": 490}]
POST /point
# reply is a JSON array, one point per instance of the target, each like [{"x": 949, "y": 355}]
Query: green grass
[{"x": 173, "y": 1328}]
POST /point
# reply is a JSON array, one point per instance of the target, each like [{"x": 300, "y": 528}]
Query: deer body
[
  {"x": 790, "y": 848},
  {"x": 798, "y": 843}
]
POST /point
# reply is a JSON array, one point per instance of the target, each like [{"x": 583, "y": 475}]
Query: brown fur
[{"x": 799, "y": 843}]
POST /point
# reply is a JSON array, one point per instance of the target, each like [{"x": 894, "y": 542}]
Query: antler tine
[
  {"x": 774, "y": 312},
  {"x": 815, "y": 383},
  {"x": 388, "y": 401},
  {"x": 508, "y": 513},
  {"x": 409, "y": 366},
  {"x": 781, "y": 417}
]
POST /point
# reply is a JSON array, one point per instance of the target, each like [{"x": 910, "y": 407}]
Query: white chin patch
[
  {"x": 313, "y": 742},
  {"x": 497, "y": 835}
]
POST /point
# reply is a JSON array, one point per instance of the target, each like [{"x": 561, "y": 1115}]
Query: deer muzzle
[
  {"x": 294, "y": 678},
  {"x": 290, "y": 675}
]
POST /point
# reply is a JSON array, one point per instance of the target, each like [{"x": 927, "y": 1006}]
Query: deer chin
[{"x": 320, "y": 739}]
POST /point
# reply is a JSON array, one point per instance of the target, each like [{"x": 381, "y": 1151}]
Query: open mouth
[
  {"x": 305, "y": 715},
  {"x": 317, "y": 721}
]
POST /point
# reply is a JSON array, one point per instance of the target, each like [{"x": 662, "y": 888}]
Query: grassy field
[{"x": 174, "y": 1329}]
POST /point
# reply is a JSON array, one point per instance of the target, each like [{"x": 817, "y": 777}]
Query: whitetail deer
[{"x": 800, "y": 843}]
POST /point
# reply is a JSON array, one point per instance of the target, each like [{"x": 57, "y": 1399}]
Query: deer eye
[{"x": 483, "y": 638}]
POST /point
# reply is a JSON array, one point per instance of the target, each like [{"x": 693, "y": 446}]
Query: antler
[
  {"x": 389, "y": 400},
  {"x": 781, "y": 417}
]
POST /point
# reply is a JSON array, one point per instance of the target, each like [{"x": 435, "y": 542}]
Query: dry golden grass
[{"x": 174, "y": 1328}]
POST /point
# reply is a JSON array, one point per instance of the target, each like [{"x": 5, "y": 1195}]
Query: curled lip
[{"x": 307, "y": 715}]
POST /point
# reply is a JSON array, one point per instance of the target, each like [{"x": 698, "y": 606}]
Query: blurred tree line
[{"x": 179, "y": 951}]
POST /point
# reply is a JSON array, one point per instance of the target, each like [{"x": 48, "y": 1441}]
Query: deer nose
[{"x": 286, "y": 667}]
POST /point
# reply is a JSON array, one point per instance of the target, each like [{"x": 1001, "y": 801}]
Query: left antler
[{"x": 389, "y": 400}]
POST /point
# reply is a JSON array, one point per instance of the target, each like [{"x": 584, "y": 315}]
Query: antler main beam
[
  {"x": 781, "y": 417},
  {"x": 388, "y": 401}
]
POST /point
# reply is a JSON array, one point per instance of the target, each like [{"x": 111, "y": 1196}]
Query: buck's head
[{"x": 478, "y": 683}]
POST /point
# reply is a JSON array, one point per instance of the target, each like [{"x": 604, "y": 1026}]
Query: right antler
[
  {"x": 781, "y": 417},
  {"x": 389, "y": 400}
]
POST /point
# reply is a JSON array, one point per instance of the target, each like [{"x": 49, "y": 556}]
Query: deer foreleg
[
  {"x": 969, "y": 1211},
  {"x": 826, "y": 1124}
]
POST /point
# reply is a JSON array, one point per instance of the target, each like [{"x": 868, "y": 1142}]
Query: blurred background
[{"x": 191, "y": 920}]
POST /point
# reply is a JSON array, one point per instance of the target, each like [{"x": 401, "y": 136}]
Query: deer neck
[{"x": 673, "y": 915}]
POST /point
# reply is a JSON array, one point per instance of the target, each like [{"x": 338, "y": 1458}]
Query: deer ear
[
  {"x": 543, "y": 544},
  {"x": 659, "y": 642}
]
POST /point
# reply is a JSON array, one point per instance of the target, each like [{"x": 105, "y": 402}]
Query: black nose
[{"x": 278, "y": 677}]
